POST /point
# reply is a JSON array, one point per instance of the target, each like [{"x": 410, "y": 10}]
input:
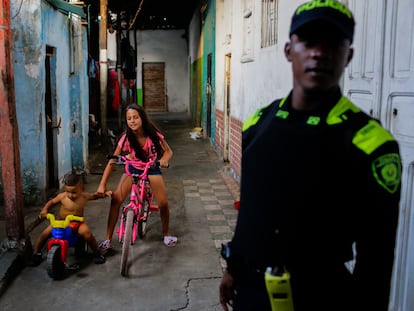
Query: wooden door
[{"x": 154, "y": 89}]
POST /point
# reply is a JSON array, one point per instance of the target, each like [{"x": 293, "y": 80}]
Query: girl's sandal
[
  {"x": 170, "y": 241},
  {"x": 105, "y": 246}
]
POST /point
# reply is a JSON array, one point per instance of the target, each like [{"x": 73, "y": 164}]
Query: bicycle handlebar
[{"x": 122, "y": 160}]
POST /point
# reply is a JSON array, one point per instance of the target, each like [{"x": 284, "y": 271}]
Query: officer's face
[{"x": 319, "y": 54}]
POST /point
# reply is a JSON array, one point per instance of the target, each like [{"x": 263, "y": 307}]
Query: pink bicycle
[{"x": 135, "y": 214}]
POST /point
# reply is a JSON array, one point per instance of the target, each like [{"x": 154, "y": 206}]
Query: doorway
[
  {"x": 153, "y": 86},
  {"x": 208, "y": 93},
  {"x": 226, "y": 116},
  {"x": 52, "y": 124}
]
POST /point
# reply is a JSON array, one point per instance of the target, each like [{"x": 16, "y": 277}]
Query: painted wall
[
  {"x": 79, "y": 99},
  {"x": 35, "y": 25},
  {"x": 169, "y": 47},
  {"x": 195, "y": 52},
  {"x": 209, "y": 48},
  {"x": 267, "y": 74},
  {"x": 256, "y": 75},
  {"x": 196, "y": 70}
]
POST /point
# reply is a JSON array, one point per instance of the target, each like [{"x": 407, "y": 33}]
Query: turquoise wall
[
  {"x": 34, "y": 27},
  {"x": 209, "y": 34}
]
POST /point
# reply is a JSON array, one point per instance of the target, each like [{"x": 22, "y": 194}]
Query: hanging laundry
[
  {"x": 116, "y": 101},
  {"x": 93, "y": 68},
  {"x": 128, "y": 58}
]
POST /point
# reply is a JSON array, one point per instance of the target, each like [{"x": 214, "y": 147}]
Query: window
[{"x": 269, "y": 23}]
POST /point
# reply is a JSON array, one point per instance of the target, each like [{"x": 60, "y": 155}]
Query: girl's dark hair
[{"x": 149, "y": 128}]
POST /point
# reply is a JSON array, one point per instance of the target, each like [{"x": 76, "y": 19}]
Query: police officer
[{"x": 320, "y": 184}]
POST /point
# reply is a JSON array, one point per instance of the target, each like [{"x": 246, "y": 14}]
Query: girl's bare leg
[
  {"x": 160, "y": 193},
  {"x": 120, "y": 194}
]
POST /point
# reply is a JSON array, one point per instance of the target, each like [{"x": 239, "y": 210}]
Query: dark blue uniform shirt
[{"x": 313, "y": 186}]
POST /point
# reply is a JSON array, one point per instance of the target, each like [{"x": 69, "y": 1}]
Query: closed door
[
  {"x": 380, "y": 79},
  {"x": 154, "y": 90}
]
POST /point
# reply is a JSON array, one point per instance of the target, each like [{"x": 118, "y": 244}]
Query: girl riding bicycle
[{"x": 143, "y": 141}]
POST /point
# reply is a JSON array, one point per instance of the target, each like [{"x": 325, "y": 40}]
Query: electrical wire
[{"x": 136, "y": 15}]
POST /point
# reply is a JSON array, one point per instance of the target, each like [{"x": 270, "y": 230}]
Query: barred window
[{"x": 269, "y": 22}]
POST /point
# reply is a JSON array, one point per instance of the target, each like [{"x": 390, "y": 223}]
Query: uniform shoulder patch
[
  {"x": 252, "y": 119},
  {"x": 387, "y": 171}
]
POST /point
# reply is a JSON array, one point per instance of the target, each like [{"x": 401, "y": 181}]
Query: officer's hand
[{"x": 227, "y": 291}]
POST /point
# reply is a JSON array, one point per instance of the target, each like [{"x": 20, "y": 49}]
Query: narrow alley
[{"x": 186, "y": 277}]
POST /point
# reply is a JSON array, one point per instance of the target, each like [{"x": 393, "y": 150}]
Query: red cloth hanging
[{"x": 116, "y": 101}]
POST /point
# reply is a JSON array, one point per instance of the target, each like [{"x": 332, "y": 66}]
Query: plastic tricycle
[{"x": 64, "y": 235}]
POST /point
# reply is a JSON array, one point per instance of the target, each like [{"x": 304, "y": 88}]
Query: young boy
[{"x": 72, "y": 202}]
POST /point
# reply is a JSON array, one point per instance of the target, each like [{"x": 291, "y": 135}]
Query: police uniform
[{"x": 317, "y": 189}]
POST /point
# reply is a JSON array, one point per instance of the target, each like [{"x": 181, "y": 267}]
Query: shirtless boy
[{"x": 72, "y": 202}]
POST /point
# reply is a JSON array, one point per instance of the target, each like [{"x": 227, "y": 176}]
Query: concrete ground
[{"x": 201, "y": 196}]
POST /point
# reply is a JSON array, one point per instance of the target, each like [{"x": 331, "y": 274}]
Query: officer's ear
[
  {"x": 288, "y": 47},
  {"x": 350, "y": 55}
]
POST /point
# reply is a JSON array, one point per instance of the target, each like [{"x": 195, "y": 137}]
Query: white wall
[
  {"x": 268, "y": 76},
  {"x": 194, "y": 37},
  {"x": 171, "y": 48}
]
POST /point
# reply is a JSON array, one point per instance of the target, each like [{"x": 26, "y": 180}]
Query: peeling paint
[
  {"x": 32, "y": 70},
  {"x": 35, "y": 26}
]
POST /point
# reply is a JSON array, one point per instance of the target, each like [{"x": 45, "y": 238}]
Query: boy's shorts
[{"x": 74, "y": 225}]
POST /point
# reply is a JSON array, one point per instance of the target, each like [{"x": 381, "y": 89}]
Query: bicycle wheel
[
  {"x": 55, "y": 265},
  {"x": 121, "y": 229},
  {"x": 142, "y": 224},
  {"x": 126, "y": 242}
]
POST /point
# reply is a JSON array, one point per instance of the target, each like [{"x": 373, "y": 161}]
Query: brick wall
[
  {"x": 234, "y": 156},
  {"x": 219, "y": 131},
  {"x": 235, "y": 146}
]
